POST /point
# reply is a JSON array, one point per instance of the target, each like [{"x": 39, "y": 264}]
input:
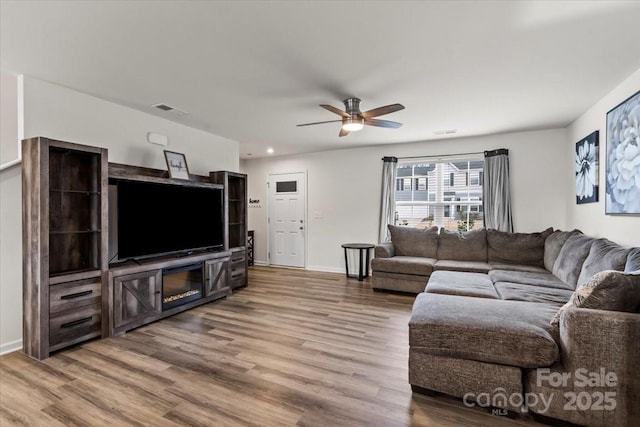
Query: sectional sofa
[{"x": 547, "y": 323}]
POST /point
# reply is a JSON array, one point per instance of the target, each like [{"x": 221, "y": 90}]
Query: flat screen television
[{"x": 155, "y": 219}]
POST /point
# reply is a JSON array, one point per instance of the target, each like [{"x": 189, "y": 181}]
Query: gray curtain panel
[
  {"x": 496, "y": 195},
  {"x": 388, "y": 202}
]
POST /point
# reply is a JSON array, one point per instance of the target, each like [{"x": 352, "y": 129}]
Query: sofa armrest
[
  {"x": 384, "y": 250},
  {"x": 609, "y": 341},
  {"x": 594, "y": 338}
]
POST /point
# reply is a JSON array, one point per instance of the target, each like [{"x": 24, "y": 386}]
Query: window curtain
[
  {"x": 496, "y": 195},
  {"x": 388, "y": 202}
]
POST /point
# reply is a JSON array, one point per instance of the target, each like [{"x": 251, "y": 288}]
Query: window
[
  {"x": 286, "y": 186},
  {"x": 444, "y": 192}
]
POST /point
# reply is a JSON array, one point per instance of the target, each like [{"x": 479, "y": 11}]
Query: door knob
[{"x": 301, "y": 228}]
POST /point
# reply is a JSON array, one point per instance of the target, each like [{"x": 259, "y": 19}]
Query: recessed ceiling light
[{"x": 270, "y": 150}]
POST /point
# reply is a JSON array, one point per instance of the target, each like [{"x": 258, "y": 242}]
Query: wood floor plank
[{"x": 295, "y": 348}]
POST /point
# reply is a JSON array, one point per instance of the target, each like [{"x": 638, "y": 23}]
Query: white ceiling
[{"x": 251, "y": 70}]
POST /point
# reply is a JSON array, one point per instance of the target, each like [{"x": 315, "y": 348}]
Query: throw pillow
[
  {"x": 603, "y": 255},
  {"x": 571, "y": 257},
  {"x": 469, "y": 246},
  {"x": 517, "y": 248},
  {"x": 607, "y": 290},
  {"x": 413, "y": 241},
  {"x": 553, "y": 244},
  {"x": 556, "y": 319},
  {"x": 633, "y": 261}
]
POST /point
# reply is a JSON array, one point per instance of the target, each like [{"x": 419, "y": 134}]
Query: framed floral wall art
[
  {"x": 623, "y": 158},
  {"x": 587, "y": 169}
]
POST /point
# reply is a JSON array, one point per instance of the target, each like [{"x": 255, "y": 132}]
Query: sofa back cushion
[
  {"x": 412, "y": 241},
  {"x": 553, "y": 244},
  {"x": 571, "y": 257},
  {"x": 469, "y": 246},
  {"x": 633, "y": 261},
  {"x": 603, "y": 255},
  {"x": 517, "y": 248}
]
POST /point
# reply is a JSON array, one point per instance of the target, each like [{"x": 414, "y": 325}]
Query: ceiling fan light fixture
[{"x": 351, "y": 124}]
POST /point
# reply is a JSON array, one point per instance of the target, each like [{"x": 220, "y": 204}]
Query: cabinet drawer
[
  {"x": 74, "y": 294},
  {"x": 75, "y": 325},
  {"x": 237, "y": 270},
  {"x": 238, "y": 258},
  {"x": 238, "y": 276}
]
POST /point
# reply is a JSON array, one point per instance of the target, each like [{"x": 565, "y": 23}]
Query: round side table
[{"x": 362, "y": 248}]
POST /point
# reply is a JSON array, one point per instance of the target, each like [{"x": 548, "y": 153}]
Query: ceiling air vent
[
  {"x": 445, "y": 132},
  {"x": 169, "y": 108},
  {"x": 163, "y": 107}
]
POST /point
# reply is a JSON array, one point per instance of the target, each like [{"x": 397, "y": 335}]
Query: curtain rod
[{"x": 442, "y": 155}]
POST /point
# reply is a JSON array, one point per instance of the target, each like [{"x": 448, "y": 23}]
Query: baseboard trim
[
  {"x": 10, "y": 347},
  {"x": 325, "y": 269}
]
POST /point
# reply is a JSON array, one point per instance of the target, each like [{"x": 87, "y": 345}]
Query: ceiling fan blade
[
  {"x": 387, "y": 109},
  {"x": 319, "y": 123},
  {"x": 334, "y": 110},
  {"x": 343, "y": 132},
  {"x": 382, "y": 123}
]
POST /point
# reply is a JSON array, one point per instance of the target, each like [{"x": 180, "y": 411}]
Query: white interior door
[{"x": 287, "y": 221}]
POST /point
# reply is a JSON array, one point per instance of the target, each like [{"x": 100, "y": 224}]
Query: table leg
[
  {"x": 366, "y": 263},
  {"x": 346, "y": 262},
  {"x": 360, "y": 276}
]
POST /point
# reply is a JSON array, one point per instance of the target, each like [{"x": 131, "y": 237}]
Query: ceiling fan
[{"x": 353, "y": 119}]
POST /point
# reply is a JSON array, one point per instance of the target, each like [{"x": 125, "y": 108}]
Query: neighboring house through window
[{"x": 454, "y": 201}]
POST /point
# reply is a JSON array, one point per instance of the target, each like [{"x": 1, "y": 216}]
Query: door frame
[{"x": 306, "y": 219}]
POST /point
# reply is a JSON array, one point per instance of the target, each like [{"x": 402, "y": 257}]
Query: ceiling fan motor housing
[{"x": 352, "y": 106}]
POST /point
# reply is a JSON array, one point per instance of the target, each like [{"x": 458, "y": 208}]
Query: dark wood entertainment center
[{"x": 71, "y": 292}]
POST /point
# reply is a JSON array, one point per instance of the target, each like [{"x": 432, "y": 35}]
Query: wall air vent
[{"x": 169, "y": 108}]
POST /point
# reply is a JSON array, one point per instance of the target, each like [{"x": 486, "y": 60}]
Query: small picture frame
[
  {"x": 177, "y": 165},
  {"x": 586, "y": 168}
]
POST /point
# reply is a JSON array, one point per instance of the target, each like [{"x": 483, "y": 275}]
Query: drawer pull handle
[
  {"x": 76, "y": 295},
  {"x": 76, "y": 322}
]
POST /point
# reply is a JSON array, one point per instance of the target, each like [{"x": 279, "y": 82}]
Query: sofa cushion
[
  {"x": 404, "y": 264},
  {"x": 633, "y": 261},
  {"x": 603, "y": 255},
  {"x": 517, "y": 267},
  {"x": 469, "y": 246},
  {"x": 553, "y": 244},
  {"x": 520, "y": 292},
  {"x": 457, "y": 283},
  {"x": 470, "y": 266},
  {"x": 515, "y": 333},
  {"x": 517, "y": 248},
  {"x": 571, "y": 257},
  {"x": 412, "y": 241},
  {"x": 543, "y": 279}
]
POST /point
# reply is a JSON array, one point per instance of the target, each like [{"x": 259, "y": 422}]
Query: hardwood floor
[{"x": 294, "y": 348}]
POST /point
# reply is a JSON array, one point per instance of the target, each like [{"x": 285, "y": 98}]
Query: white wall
[
  {"x": 344, "y": 185},
  {"x": 60, "y": 113},
  {"x": 590, "y": 217},
  {"x": 10, "y": 118}
]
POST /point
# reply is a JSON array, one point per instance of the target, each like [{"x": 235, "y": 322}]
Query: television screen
[{"x": 163, "y": 218}]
